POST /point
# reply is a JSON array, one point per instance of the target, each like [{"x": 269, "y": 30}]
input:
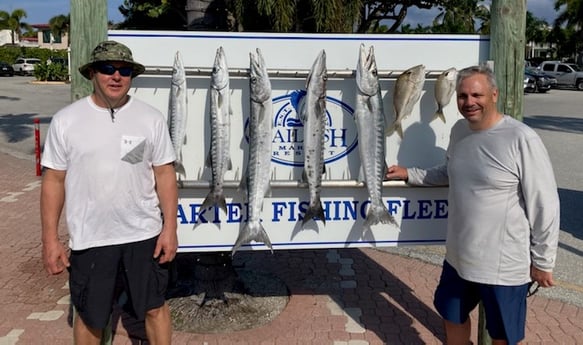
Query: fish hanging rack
[
  {"x": 202, "y": 184},
  {"x": 281, "y": 73}
]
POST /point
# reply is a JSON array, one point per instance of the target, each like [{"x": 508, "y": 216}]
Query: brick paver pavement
[{"x": 337, "y": 297}]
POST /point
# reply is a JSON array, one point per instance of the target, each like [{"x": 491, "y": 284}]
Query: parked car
[
  {"x": 529, "y": 83},
  {"x": 541, "y": 83},
  {"x": 25, "y": 66},
  {"x": 567, "y": 74},
  {"x": 6, "y": 69}
]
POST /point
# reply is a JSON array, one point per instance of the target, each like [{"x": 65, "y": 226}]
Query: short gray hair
[{"x": 478, "y": 69}]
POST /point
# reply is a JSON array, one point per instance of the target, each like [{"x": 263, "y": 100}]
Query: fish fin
[
  {"x": 314, "y": 211},
  {"x": 439, "y": 114},
  {"x": 243, "y": 185},
  {"x": 304, "y": 176},
  {"x": 378, "y": 214},
  {"x": 252, "y": 231},
  {"x": 179, "y": 167},
  {"x": 323, "y": 169},
  {"x": 229, "y": 164},
  {"x": 209, "y": 160},
  {"x": 399, "y": 130}
]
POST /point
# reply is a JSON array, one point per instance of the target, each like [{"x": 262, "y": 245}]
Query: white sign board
[{"x": 421, "y": 213}]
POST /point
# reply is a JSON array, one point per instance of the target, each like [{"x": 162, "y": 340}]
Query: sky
[{"x": 40, "y": 11}]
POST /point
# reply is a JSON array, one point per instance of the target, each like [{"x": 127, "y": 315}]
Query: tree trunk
[{"x": 507, "y": 42}]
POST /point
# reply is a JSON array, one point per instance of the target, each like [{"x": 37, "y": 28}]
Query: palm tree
[
  {"x": 572, "y": 20},
  {"x": 458, "y": 16},
  {"x": 12, "y": 21},
  {"x": 60, "y": 25}
]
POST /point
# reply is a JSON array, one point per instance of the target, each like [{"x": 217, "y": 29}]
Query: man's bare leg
[
  {"x": 159, "y": 325},
  {"x": 83, "y": 334},
  {"x": 458, "y": 334}
]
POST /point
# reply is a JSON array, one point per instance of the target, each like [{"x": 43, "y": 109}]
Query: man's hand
[
  {"x": 166, "y": 246},
  {"x": 395, "y": 172},
  {"x": 55, "y": 257},
  {"x": 543, "y": 278}
]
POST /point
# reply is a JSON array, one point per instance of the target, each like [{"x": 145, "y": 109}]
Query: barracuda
[
  {"x": 370, "y": 122},
  {"x": 219, "y": 158},
  {"x": 256, "y": 180}
]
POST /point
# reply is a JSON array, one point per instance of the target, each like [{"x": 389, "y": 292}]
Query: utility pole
[
  {"x": 88, "y": 28},
  {"x": 507, "y": 44}
]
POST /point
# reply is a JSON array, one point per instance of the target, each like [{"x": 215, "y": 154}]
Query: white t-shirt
[
  {"x": 110, "y": 195},
  {"x": 503, "y": 202}
]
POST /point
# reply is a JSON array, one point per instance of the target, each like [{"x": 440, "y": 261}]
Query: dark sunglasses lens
[
  {"x": 125, "y": 71},
  {"x": 110, "y": 70}
]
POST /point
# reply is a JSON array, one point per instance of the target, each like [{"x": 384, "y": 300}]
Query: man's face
[
  {"x": 113, "y": 79},
  {"x": 476, "y": 101}
]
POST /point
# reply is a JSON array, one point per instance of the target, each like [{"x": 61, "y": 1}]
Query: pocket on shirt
[{"x": 132, "y": 149}]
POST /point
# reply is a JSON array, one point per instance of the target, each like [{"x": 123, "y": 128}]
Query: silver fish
[
  {"x": 256, "y": 180},
  {"x": 219, "y": 158},
  {"x": 406, "y": 94},
  {"x": 313, "y": 116},
  {"x": 177, "y": 111},
  {"x": 444, "y": 89},
  {"x": 370, "y": 123}
]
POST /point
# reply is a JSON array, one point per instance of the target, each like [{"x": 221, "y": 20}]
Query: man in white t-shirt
[
  {"x": 503, "y": 222},
  {"x": 108, "y": 159}
]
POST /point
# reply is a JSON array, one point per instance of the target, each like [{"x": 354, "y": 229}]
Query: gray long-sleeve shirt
[{"x": 503, "y": 202}]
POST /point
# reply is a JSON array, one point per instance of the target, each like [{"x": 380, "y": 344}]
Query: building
[
  {"x": 6, "y": 37},
  {"x": 46, "y": 39}
]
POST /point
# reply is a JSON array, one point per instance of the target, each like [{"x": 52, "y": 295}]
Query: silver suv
[
  {"x": 25, "y": 66},
  {"x": 567, "y": 74}
]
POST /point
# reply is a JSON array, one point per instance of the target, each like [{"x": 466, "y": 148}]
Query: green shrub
[
  {"x": 51, "y": 72},
  {"x": 10, "y": 53}
]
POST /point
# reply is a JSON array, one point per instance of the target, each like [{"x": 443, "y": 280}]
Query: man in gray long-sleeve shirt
[{"x": 503, "y": 223}]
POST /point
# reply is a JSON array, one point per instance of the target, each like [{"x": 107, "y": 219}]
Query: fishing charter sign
[{"x": 420, "y": 213}]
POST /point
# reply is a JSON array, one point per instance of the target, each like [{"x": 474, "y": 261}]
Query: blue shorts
[
  {"x": 504, "y": 306},
  {"x": 95, "y": 273}
]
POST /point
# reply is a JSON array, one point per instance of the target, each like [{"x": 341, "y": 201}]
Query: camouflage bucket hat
[{"x": 111, "y": 51}]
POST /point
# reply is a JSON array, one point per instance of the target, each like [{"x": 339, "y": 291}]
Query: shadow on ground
[
  {"x": 18, "y": 127},
  {"x": 379, "y": 301},
  {"x": 555, "y": 123}
]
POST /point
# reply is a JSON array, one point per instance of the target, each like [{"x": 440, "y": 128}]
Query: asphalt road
[{"x": 557, "y": 116}]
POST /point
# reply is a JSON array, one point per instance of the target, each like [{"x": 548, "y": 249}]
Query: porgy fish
[
  {"x": 444, "y": 89},
  {"x": 313, "y": 117},
  {"x": 257, "y": 176},
  {"x": 370, "y": 123},
  {"x": 219, "y": 158},
  {"x": 177, "y": 111},
  {"x": 406, "y": 94}
]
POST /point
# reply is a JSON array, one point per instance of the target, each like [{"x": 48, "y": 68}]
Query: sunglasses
[
  {"x": 124, "y": 71},
  {"x": 532, "y": 288}
]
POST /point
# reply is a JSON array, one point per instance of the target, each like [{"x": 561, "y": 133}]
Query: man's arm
[
  {"x": 168, "y": 194},
  {"x": 52, "y": 199}
]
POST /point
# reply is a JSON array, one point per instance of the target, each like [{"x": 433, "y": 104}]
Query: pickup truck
[{"x": 567, "y": 74}]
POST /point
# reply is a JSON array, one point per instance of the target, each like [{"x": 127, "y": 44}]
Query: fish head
[
  {"x": 416, "y": 74},
  {"x": 259, "y": 78},
  {"x": 220, "y": 72},
  {"x": 366, "y": 72},
  {"x": 316, "y": 80},
  {"x": 178, "y": 74}
]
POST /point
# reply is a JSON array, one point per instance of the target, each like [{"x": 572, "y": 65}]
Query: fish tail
[
  {"x": 395, "y": 127},
  {"x": 378, "y": 214},
  {"x": 214, "y": 198},
  {"x": 439, "y": 114},
  {"x": 252, "y": 231},
  {"x": 314, "y": 211}
]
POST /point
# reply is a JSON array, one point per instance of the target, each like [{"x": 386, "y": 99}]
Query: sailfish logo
[{"x": 288, "y": 140}]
